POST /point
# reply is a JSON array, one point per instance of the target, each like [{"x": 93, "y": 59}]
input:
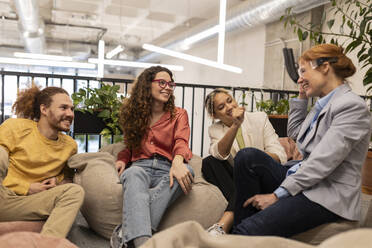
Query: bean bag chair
[{"x": 102, "y": 207}]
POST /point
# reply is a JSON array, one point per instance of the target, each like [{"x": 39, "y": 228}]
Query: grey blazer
[{"x": 334, "y": 151}]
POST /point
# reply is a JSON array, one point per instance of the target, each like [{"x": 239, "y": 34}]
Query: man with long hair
[{"x": 38, "y": 184}]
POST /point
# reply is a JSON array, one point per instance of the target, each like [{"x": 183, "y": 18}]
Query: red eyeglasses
[{"x": 162, "y": 83}]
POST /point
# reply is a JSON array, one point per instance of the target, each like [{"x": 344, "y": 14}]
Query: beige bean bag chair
[
  {"x": 34, "y": 240},
  {"x": 192, "y": 235},
  {"x": 102, "y": 206}
]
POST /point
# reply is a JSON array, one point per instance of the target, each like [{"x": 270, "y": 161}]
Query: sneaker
[
  {"x": 216, "y": 230},
  {"x": 116, "y": 240}
]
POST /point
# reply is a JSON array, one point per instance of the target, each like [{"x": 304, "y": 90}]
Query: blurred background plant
[{"x": 280, "y": 107}]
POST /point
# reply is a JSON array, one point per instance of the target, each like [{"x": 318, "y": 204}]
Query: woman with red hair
[{"x": 333, "y": 139}]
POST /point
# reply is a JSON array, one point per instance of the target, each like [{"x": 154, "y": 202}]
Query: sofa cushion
[
  {"x": 192, "y": 235},
  {"x": 31, "y": 239},
  {"x": 113, "y": 149},
  {"x": 320, "y": 233},
  {"x": 357, "y": 238},
  {"x": 102, "y": 205},
  {"x": 17, "y": 226}
]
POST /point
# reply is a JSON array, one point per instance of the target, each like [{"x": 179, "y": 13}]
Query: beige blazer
[
  {"x": 257, "y": 132},
  {"x": 334, "y": 151}
]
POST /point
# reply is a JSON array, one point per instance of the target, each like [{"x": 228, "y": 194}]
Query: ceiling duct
[
  {"x": 247, "y": 15},
  {"x": 31, "y": 26}
]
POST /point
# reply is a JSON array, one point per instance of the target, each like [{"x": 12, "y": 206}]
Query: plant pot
[
  {"x": 87, "y": 123},
  {"x": 279, "y": 123},
  {"x": 367, "y": 174}
]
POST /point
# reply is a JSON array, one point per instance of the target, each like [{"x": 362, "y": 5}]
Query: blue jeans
[
  {"x": 255, "y": 172},
  {"x": 146, "y": 196}
]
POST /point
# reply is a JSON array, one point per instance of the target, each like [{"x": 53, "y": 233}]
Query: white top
[{"x": 257, "y": 132}]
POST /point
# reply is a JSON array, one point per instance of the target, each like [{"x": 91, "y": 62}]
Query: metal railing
[{"x": 188, "y": 96}]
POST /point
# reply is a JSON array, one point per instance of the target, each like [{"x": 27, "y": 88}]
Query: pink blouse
[{"x": 167, "y": 137}]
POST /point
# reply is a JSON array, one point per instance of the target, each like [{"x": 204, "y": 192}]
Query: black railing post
[
  {"x": 195, "y": 102},
  {"x": 252, "y": 100},
  {"x": 202, "y": 135},
  {"x": 86, "y": 142},
  {"x": 183, "y": 96},
  {"x": 17, "y": 83},
  {"x": 192, "y": 116},
  {"x": 2, "y": 97}
]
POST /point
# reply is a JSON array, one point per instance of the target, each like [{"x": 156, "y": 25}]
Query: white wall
[{"x": 244, "y": 49}]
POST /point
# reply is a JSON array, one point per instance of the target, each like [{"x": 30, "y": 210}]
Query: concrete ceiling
[{"x": 73, "y": 26}]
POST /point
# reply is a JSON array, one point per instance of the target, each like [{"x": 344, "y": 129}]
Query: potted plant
[
  {"x": 277, "y": 112},
  {"x": 97, "y": 110},
  {"x": 278, "y": 109}
]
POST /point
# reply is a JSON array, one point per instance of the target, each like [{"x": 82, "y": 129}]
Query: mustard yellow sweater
[{"x": 32, "y": 156}]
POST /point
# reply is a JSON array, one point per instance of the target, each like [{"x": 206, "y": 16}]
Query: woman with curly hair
[{"x": 156, "y": 135}]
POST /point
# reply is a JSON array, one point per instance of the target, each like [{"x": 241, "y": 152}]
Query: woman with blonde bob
[
  {"x": 153, "y": 168},
  {"x": 235, "y": 130},
  {"x": 333, "y": 139}
]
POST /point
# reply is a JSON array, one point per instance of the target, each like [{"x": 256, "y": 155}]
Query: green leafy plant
[
  {"x": 104, "y": 102},
  {"x": 356, "y": 22},
  {"x": 243, "y": 103},
  {"x": 281, "y": 107}
]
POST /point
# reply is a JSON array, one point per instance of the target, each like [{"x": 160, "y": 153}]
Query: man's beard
[{"x": 57, "y": 124}]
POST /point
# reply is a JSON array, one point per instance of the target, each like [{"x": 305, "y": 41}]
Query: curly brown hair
[
  {"x": 135, "y": 113},
  {"x": 27, "y": 104}
]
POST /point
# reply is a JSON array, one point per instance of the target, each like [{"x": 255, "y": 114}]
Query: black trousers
[
  {"x": 220, "y": 173},
  {"x": 255, "y": 172}
]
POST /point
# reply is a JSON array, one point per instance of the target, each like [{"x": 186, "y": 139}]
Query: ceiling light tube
[
  {"x": 221, "y": 32},
  {"x": 43, "y": 62},
  {"x": 101, "y": 57},
  {"x": 191, "y": 58},
  {"x": 114, "y": 51},
  {"x": 200, "y": 36},
  {"x": 133, "y": 64},
  {"x": 42, "y": 56}
]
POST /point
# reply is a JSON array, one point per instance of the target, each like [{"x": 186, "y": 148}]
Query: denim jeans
[
  {"x": 255, "y": 172},
  {"x": 146, "y": 196}
]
